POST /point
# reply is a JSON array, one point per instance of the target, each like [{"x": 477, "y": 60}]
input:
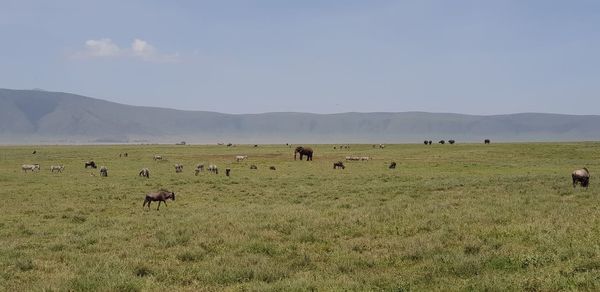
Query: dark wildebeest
[
  {"x": 272, "y": 168},
  {"x": 161, "y": 196},
  {"x": 227, "y": 171},
  {"x": 339, "y": 164},
  {"x": 486, "y": 141},
  {"x": 144, "y": 173},
  {"x": 103, "y": 171},
  {"x": 451, "y": 141},
  {"x": 581, "y": 176},
  {"x": 199, "y": 168},
  {"x": 253, "y": 166},
  {"x": 34, "y": 152},
  {"x": 430, "y": 142},
  {"x": 304, "y": 151},
  {"x": 229, "y": 144},
  {"x": 442, "y": 142},
  {"x": 255, "y": 145},
  {"x": 91, "y": 164},
  {"x": 425, "y": 142},
  {"x": 393, "y": 165}
]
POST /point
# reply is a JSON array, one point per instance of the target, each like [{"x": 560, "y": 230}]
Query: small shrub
[
  {"x": 142, "y": 271},
  {"x": 24, "y": 264}
]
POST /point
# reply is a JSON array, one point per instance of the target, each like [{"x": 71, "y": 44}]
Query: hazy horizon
[{"x": 471, "y": 57}]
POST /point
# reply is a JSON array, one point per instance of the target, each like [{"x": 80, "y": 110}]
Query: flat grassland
[{"x": 449, "y": 217}]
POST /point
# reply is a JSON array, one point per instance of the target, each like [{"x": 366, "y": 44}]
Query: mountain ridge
[{"x": 34, "y": 116}]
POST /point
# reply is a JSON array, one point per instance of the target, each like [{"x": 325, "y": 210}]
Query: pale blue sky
[{"x": 476, "y": 57}]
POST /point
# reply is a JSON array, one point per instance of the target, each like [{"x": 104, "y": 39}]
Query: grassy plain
[{"x": 449, "y": 217}]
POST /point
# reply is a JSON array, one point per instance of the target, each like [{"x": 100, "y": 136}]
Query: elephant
[{"x": 304, "y": 151}]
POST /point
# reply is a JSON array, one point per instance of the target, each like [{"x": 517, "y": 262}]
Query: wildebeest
[
  {"x": 34, "y": 152},
  {"x": 199, "y": 168},
  {"x": 144, "y": 172},
  {"x": 227, "y": 171},
  {"x": 272, "y": 168},
  {"x": 338, "y": 164},
  {"x": 213, "y": 168},
  {"x": 581, "y": 176},
  {"x": 392, "y": 165},
  {"x": 255, "y": 145},
  {"x": 178, "y": 168},
  {"x": 253, "y": 166},
  {"x": 486, "y": 141},
  {"x": 442, "y": 142},
  {"x": 157, "y": 157},
  {"x": 451, "y": 141},
  {"x": 229, "y": 144},
  {"x": 304, "y": 151},
  {"x": 430, "y": 142},
  {"x": 103, "y": 171},
  {"x": 161, "y": 196},
  {"x": 239, "y": 158},
  {"x": 425, "y": 142},
  {"x": 32, "y": 167},
  {"x": 91, "y": 164},
  {"x": 58, "y": 168}
]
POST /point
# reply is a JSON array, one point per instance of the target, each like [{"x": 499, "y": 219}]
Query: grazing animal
[
  {"x": 451, "y": 142},
  {"x": 90, "y": 164},
  {"x": 161, "y": 197},
  {"x": 144, "y": 172},
  {"x": 355, "y": 158},
  {"x": 157, "y": 157},
  {"x": 272, "y": 168},
  {"x": 253, "y": 166},
  {"x": 240, "y": 157},
  {"x": 32, "y": 167},
  {"x": 486, "y": 141},
  {"x": 381, "y": 146},
  {"x": 392, "y": 165},
  {"x": 227, "y": 171},
  {"x": 430, "y": 142},
  {"x": 255, "y": 145},
  {"x": 213, "y": 168},
  {"x": 229, "y": 144},
  {"x": 34, "y": 152},
  {"x": 581, "y": 176},
  {"x": 58, "y": 168},
  {"x": 103, "y": 171},
  {"x": 442, "y": 142},
  {"x": 425, "y": 142},
  {"x": 339, "y": 164},
  {"x": 178, "y": 168},
  {"x": 304, "y": 151},
  {"x": 198, "y": 169},
  {"x": 365, "y": 158}
]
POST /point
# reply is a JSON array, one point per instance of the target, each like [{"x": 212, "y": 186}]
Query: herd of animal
[{"x": 579, "y": 176}]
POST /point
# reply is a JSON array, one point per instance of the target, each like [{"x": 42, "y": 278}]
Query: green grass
[{"x": 452, "y": 217}]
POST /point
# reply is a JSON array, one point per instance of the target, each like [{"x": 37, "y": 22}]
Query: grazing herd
[{"x": 579, "y": 176}]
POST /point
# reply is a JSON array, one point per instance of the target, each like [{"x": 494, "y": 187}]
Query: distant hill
[{"x": 35, "y": 116}]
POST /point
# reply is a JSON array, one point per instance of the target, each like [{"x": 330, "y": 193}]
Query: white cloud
[
  {"x": 140, "y": 49},
  {"x": 101, "y": 48}
]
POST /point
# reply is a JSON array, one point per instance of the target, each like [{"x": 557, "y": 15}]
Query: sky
[{"x": 472, "y": 57}]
